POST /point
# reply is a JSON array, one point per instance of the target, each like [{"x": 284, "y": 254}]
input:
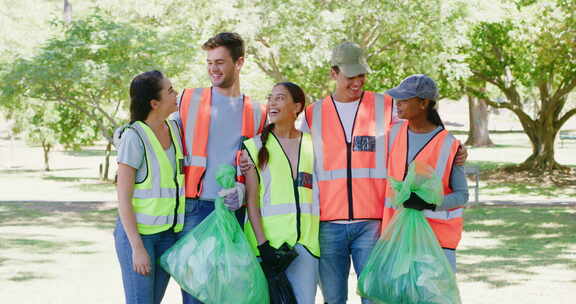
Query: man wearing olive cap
[{"x": 348, "y": 131}]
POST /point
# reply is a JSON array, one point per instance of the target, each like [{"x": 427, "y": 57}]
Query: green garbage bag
[
  {"x": 407, "y": 265},
  {"x": 214, "y": 261}
]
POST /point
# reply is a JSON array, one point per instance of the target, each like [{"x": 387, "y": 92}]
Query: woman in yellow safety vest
[
  {"x": 279, "y": 191},
  {"x": 150, "y": 187}
]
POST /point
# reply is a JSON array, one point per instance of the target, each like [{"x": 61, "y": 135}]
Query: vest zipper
[
  {"x": 177, "y": 169},
  {"x": 298, "y": 210},
  {"x": 177, "y": 199},
  {"x": 199, "y": 186},
  {"x": 296, "y": 193},
  {"x": 349, "y": 180},
  {"x": 348, "y": 154}
]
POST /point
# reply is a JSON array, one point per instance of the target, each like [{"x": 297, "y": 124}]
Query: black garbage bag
[{"x": 279, "y": 287}]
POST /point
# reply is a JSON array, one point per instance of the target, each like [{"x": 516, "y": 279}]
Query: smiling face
[
  {"x": 168, "y": 101},
  {"x": 281, "y": 106},
  {"x": 348, "y": 88},
  {"x": 222, "y": 69}
]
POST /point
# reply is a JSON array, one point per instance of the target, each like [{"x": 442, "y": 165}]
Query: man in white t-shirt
[{"x": 349, "y": 131}]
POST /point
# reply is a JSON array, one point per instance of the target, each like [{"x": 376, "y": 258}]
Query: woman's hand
[
  {"x": 141, "y": 261},
  {"x": 461, "y": 156},
  {"x": 245, "y": 163}
]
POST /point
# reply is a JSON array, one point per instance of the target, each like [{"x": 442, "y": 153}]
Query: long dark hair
[
  {"x": 143, "y": 88},
  {"x": 298, "y": 96},
  {"x": 432, "y": 114}
]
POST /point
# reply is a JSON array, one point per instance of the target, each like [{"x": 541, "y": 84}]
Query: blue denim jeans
[
  {"x": 451, "y": 256},
  {"x": 139, "y": 289},
  {"x": 337, "y": 243},
  {"x": 196, "y": 212},
  {"x": 303, "y": 275}
]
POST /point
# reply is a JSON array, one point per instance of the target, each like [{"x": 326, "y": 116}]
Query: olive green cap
[{"x": 349, "y": 58}]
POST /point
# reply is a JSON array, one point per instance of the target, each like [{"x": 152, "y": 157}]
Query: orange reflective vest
[
  {"x": 194, "y": 114},
  {"x": 439, "y": 153},
  {"x": 351, "y": 177}
]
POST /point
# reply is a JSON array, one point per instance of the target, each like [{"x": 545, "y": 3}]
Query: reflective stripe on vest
[
  {"x": 158, "y": 220},
  {"x": 195, "y": 114},
  {"x": 156, "y": 199},
  {"x": 158, "y": 192},
  {"x": 285, "y": 217},
  {"x": 367, "y": 158},
  {"x": 439, "y": 153}
]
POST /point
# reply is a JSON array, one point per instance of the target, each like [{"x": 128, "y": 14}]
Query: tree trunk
[
  {"x": 67, "y": 11},
  {"x": 542, "y": 136},
  {"x": 104, "y": 176},
  {"x": 478, "y": 134},
  {"x": 46, "y": 147}
]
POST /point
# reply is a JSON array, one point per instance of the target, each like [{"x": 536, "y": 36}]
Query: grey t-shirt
[
  {"x": 131, "y": 153},
  {"x": 459, "y": 196},
  {"x": 224, "y": 139}
]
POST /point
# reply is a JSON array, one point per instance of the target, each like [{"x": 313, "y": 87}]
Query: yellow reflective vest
[
  {"x": 289, "y": 213},
  {"x": 158, "y": 201}
]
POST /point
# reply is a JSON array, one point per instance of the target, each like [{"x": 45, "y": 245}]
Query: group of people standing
[{"x": 312, "y": 176}]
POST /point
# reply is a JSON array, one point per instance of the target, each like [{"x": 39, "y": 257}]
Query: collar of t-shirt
[
  {"x": 216, "y": 96},
  {"x": 347, "y": 113}
]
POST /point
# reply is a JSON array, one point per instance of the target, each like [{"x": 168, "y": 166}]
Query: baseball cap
[
  {"x": 349, "y": 58},
  {"x": 418, "y": 85}
]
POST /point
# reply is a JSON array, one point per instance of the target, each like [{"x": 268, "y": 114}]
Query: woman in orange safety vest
[{"x": 420, "y": 136}]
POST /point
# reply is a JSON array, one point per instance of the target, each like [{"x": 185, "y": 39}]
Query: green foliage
[
  {"x": 524, "y": 50},
  {"x": 86, "y": 72},
  {"x": 294, "y": 39},
  {"x": 54, "y": 124},
  {"x": 530, "y": 58}
]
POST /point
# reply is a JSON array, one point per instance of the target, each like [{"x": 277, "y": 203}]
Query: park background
[{"x": 506, "y": 69}]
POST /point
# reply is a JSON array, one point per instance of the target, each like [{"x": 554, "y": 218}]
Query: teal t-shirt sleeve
[{"x": 459, "y": 196}]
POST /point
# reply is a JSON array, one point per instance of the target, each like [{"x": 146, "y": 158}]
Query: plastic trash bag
[
  {"x": 407, "y": 265},
  {"x": 279, "y": 286},
  {"x": 214, "y": 261},
  {"x": 280, "y": 289}
]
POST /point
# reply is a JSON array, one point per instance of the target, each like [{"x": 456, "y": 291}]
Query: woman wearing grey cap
[{"x": 421, "y": 137}]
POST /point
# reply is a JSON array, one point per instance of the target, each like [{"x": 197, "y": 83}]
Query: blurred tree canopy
[
  {"x": 520, "y": 49},
  {"x": 87, "y": 71}
]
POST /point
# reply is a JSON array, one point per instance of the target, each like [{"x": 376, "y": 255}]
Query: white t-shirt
[{"x": 347, "y": 113}]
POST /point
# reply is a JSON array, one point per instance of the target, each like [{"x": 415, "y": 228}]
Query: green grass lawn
[
  {"x": 519, "y": 238},
  {"x": 495, "y": 179},
  {"x": 57, "y": 214},
  {"x": 524, "y": 237},
  {"x": 28, "y": 249}
]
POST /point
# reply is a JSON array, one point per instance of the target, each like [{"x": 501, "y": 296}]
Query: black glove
[
  {"x": 415, "y": 202},
  {"x": 267, "y": 253}
]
